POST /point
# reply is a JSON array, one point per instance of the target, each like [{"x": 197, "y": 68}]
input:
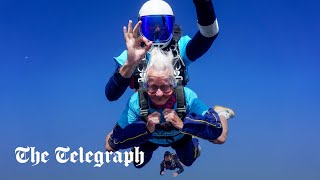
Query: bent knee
[
  {"x": 107, "y": 145},
  {"x": 187, "y": 163},
  {"x": 220, "y": 140}
]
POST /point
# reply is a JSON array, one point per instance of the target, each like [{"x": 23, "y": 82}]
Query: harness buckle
[
  {"x": 182, "y": 110},
  {"x": 144, "y": 112}
]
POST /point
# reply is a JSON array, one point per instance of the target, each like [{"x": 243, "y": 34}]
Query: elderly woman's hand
[
  {"x": 171, "y": 116},
  {"x": 152, "y": 121}
]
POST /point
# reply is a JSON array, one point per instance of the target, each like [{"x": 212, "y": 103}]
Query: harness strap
[
  {"x": 181, "y": 101},
  {"x": 143, "y": 102}
]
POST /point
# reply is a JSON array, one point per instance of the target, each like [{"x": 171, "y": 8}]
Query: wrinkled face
[{"x": 159, "y": 87}]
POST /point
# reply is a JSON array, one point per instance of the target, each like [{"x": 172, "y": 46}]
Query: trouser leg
[
  {"x": 187, "y": 149},
  {"x": 147, "y": 148}
]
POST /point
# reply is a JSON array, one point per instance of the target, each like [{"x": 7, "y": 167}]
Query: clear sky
[{"x": 57, "y": 55}]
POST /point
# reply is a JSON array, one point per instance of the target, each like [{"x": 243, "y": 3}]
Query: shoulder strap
[
  {"x": 177, "y": 32},
  {"x": 143, "y": 102},
  {"x": 181, "y": 101}
]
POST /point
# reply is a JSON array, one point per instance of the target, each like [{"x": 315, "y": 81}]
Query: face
[
  {"x": 159, "y": 87},
  {"x": 167, "y": 158}
]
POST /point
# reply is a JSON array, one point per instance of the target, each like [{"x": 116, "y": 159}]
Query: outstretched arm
[
  {"x": 208, "y": 30},
  {"x": 162, "y": 168},
  {"x": 178, "y": 164}
]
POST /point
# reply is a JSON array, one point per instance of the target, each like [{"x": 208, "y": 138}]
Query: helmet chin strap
[{"x": 160, "y": 45}]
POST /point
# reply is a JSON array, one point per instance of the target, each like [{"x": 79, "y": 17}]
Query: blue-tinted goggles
[{"x": 157, "y": 28}]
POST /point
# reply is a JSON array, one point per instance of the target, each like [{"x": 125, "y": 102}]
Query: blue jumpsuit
[
  {"x": 200, "y": 121},
  {"x": 205, "y": 124}
]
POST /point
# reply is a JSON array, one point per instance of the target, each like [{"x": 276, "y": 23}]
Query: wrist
[
  {"x": 180, "y": 124},
  {"x": 150, "y": 127},
  {"x": 127, "y": 69}
]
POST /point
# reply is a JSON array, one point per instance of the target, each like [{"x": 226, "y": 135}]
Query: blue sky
[{"x": 56, "y": 57}]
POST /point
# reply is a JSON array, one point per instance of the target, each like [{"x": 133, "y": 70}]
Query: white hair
[{"x": 161, "y": 61}]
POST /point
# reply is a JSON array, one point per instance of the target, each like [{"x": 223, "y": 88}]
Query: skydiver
[
  {"x": 163, "y": 127},
  {"x": 156, "y": 16},
  {"x": 171, "y": 162}
]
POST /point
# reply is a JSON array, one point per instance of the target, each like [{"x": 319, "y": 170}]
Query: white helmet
[
  {"x": 157, "y": 22},
  {"x": 155, "y": 7}
]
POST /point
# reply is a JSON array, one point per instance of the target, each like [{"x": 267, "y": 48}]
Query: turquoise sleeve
[
  {"x": 182, "y": 43},
  {"x": 194, "y": 104},
  {"x": 131, "y": 113},
  {"x": 122, "y": 58}
]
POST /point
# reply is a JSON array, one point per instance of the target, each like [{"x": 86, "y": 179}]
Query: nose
[{"x": 159, "y": 92}]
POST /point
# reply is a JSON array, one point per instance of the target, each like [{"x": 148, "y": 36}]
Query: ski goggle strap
[{"x": 157, "y": 28}]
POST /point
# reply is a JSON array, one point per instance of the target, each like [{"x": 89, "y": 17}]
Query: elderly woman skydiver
[{"x": 162, "y": 126}]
